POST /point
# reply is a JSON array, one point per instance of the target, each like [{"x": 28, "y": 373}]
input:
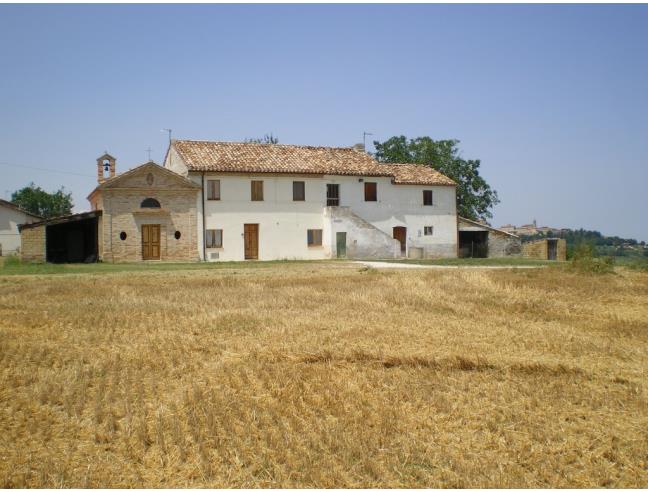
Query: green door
[{"x": 340, "y": 244}]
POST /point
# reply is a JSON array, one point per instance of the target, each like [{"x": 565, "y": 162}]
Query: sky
[{"x": 553, "y": 99}]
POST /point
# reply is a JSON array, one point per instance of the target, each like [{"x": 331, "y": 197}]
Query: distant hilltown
[
  {"x": 530, "y": 229},
  {"x": 611, "y": 245}
]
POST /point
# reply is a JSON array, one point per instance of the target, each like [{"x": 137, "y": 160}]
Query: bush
[{"x": 585, "y": 260}]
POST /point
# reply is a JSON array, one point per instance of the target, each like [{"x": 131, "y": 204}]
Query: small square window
[
  {"x": 214, "y": 238},
  {"x": 213, "y": 189},
  {"x": 371, "y": 192},
  {"x": 428, "y": 230},
  {"x": 299, "y": 191},
  {"x": 257, "y": 191},
  {"x": 427, "y": 197},
  {"x": 314, "y": 237}
]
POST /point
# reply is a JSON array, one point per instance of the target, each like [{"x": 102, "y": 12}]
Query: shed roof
[{"x": 62, "y": 219}]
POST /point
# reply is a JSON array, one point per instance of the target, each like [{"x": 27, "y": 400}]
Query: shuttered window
[
  {"x": 214, "y": 238},
  {"x": 371, "y": 192},
  {"x": 314, "y": 237},
  {"x": 213, "y": 189},
  {"x": 299, "y": 191},
  {"x": 428, "y": 230},
  {"x": 427, "y": 197},
  {"x": 257, "y": 191}
]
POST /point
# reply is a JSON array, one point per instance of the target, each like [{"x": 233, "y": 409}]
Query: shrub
[{"x": 585, "y": 260}]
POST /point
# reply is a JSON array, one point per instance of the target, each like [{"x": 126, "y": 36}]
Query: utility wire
[{"x": 45, "y": 170}]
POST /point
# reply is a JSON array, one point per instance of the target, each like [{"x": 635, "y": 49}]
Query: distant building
[{"x": 11, "y": 216}]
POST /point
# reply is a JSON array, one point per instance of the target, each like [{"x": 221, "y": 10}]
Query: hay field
[{"x": 324, "y": 375}]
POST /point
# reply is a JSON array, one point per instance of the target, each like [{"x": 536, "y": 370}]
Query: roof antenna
[
  {"x": 364, "y": 139},
  {"x": 168, "y": 130}
]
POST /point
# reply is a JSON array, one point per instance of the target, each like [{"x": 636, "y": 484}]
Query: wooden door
[
  {"x": 340, "y": 244},
  {"x": 151, "y": 241},
  {"x": 400, "y": 233},
  {"x": 251, "y": 240}
]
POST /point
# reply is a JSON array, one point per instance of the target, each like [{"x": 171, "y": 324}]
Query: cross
[{"x": 149, "y": 153}]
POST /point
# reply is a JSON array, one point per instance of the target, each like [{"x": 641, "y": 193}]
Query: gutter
[{"x": 202, "y": 201}]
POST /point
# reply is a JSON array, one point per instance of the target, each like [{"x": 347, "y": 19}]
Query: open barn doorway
[
  {"x": 72, "y": 241},
  {"x": 473, "y": 244}
]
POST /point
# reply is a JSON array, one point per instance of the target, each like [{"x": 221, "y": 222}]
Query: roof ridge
[{"x": 266, "y": 144}]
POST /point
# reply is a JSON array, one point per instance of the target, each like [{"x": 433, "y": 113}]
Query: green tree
[
  {"x": 475, "y": 197},
  {"x": 267, "y": 139},
  {"x": 34, "y": 199}
]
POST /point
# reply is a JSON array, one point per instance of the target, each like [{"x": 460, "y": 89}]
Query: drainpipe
[{"x": 202, "y": 200}]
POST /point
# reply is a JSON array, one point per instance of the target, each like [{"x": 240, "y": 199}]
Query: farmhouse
[
  {"x": 11, "y": 216},
  {"x": 219, "y": 201}
]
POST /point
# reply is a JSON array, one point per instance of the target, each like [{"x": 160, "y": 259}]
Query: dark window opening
[
  {"x": 299, "y": 191},
  {"x": 314, "y": 237},
  {"x": 177, "y": 234},
  {"x": 123, "y": 235},
  {"x": 371, "y": 192},
  {"x": 427, "y": 197},
  {"x": 332, "y": 195},
  {"x": 150, "y": 203}
]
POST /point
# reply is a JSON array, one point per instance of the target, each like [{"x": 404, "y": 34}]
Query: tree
[
  {"x": 267, "y": 139},
  {"x": 475, "y": 197},
  {"x": 34, "y": 199}
]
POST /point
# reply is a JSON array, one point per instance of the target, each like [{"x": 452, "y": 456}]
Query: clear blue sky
[{"x": 553, "y": 99}]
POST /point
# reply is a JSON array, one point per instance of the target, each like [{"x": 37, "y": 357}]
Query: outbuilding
[
  {"x": 477, "y": 240},
  {"x": 11, "y": 217},
  {"x": 546, "y": 249}
]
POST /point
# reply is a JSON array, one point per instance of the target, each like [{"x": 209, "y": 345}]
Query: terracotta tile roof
[
  {"x": 276, "y": 158},
  {"x": 297, "y": 159},
  {"x": 418, "y": 174}
]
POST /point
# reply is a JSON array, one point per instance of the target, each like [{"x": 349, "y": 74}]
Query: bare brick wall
[
  {"x": 33, "y": 244},
  {"x": 539, "y": 250},
  {"x": 122, "y": 213},
  {"x": 500, "y": 245}
]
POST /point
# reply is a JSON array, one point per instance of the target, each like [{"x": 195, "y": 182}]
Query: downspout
[{"x": 202, "y": 201}]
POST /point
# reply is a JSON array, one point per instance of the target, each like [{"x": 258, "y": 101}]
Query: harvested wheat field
[{"x": 327, "y": 375}]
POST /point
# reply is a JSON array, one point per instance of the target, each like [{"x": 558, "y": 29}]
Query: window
[
  {"x": 214, "y": 238},
  {"x": 213, "y": 189},
  {"x": 177, "y": 235},
  {"x": 428, "y": 230},
  {"x": 427, "y": 197},
  {"x": 257, "y": 191},
  {"x": 299, "y": 191},
  {"x": 332, "y": 195},
  {"x": 371, "y": 192},
  {"x": 314, "y": 237},
  {"x": 123, "y": 235},
  {"x": 150, "y": 203}
]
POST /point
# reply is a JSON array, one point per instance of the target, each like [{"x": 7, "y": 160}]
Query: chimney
[
  {"x": 359, "y": 147},
  {"x": 105, "y": 165}
]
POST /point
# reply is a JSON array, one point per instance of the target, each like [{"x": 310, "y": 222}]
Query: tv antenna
[
  {"x": 364, "y": 138},
  {"x": 168, "y": 130}
]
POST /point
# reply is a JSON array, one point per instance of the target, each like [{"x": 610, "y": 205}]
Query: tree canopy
[
  {"x": 34, "y": 199},
  {"x": 475, "y": 197},
  {"x": 267, "y": 139}
]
